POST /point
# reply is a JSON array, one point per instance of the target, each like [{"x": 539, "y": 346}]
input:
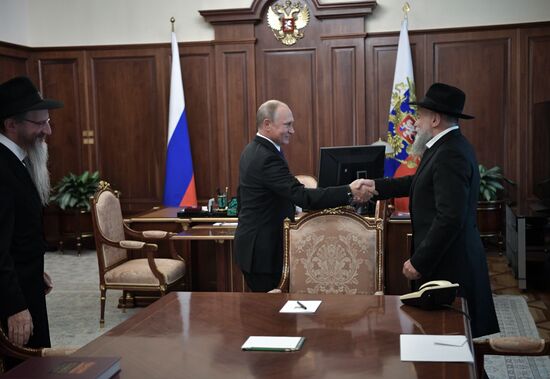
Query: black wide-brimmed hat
[
  {"x": 443, "y": 98},
  {"x": 19, "y": 95}
]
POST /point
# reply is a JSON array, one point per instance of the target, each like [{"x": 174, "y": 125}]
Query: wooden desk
[
  {"x": 199, "y": 335},
  {"x": 210, "y": 265},
  {"x": 228, "y": 275}
]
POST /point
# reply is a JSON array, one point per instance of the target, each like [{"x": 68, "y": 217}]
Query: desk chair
[
  {"x": 117, "y": 268},
  {"x": 522, "y": 346},
  {"x": 334, "y": 251}
]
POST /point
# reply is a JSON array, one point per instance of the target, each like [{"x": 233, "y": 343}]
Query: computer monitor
[{"x": 341, "y": 165}]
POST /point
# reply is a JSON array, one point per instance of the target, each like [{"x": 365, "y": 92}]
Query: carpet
[
  {"x": 514, "y": 319},
  {"x": 74, "y": 305}
]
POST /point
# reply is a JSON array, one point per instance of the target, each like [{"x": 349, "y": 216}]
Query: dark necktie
[
  {"x": 282, "y": 154},
  {"x": 27, "y": 163}
]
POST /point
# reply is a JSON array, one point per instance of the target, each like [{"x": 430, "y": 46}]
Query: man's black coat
[
  {"x": 446, "y": 242},
  {"x": 22, "y": 248},
  {"x": 267, "y": 194}
]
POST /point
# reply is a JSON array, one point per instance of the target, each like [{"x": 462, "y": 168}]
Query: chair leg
[
  {"x": 124, "y": 306},
  {"x": 102, "y": 297}
]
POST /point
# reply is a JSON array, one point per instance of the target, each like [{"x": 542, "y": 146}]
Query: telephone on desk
[{"x": 432, "y": 295}]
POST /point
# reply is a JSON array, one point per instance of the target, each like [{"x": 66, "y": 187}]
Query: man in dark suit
[
  {"x": 24, "y": 190},
  {"x": 268, "y": 193},
  {"x": 443, "y": 201}
]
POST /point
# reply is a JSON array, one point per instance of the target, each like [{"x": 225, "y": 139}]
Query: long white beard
[
  {"x": 38, "y": 156},
  {"x": 419, "y": 144}
]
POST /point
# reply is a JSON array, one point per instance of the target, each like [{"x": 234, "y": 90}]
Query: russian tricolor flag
[{"x": 179, "y": 186}]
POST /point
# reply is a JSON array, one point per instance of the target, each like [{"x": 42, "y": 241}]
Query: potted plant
[
  {"x": 490, "y": 206},
  {"x": 72, "y": 194}
]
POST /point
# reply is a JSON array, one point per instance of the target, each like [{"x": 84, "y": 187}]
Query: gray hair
[{"x": 267, "y": 111}]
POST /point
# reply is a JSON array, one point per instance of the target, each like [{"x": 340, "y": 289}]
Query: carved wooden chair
[
  {"x": 8, "y": 349},
  {"x": 522, "y": 346},
  {"x": 307, "y": 180},
  {"x": 334, "y": 251},
  {"x": 117, "y": 268}
]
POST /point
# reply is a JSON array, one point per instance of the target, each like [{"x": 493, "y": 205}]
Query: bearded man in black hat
[
  {"x": 443, "y": 201},
  {"x": 24, "y": 190}
]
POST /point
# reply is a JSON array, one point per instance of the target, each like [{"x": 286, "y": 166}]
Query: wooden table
[
  {"x": 210, "y": 265},
  {"x": 199, "y": 335}
]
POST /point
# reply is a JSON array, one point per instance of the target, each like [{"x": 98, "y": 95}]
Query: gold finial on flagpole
[
  {"x": 172, "y": 20},
  {"x": 406, "y": 9}
]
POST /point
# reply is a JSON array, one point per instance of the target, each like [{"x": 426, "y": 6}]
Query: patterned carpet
[
  {"x": 512, "y": 313},
  {"x": 504, "y": 283},
  {"x": 73, "y": 304}
]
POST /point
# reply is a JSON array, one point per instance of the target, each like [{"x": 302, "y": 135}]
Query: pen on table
[
  {"x": 301, "y": 305},
  {"x": 450, "y": 344}
]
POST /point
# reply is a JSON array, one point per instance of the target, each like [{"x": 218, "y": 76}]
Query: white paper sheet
[
  {"x": 226, "y": 224},
  {"x": 292, "y": 306},
  {"x": 269, "y": 343},
  {"x": 435, "y": 348}
]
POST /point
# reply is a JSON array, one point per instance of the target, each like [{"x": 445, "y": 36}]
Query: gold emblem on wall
[{"x": 287, "y": 21}]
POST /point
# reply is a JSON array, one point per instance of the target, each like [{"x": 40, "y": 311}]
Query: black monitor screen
[{"x": 343, "y": 164}]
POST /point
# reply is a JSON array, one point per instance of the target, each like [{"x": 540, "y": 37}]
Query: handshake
[{"x": 362, "y": 190}]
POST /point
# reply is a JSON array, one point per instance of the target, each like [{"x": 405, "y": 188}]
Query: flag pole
[
  {"x": 406, "y": 9},
  {"x": 172, "y": 20}
]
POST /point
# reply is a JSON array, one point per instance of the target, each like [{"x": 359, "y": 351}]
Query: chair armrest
[
  {"x": 137, "y": 245},
  {"x": 58, "y": 351},
  {"x": 512, "y": 346},
  {"x": 147, "y": 234}
]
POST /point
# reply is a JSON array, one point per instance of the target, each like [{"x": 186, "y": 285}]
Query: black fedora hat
[
  {"x": 443, "y": 98},
  {"x": 19, "y": 95}
]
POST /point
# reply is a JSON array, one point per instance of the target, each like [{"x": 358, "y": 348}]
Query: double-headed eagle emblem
[{"x": 287, "y": 21}]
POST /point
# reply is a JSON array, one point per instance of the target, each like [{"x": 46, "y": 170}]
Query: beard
[
  {"x": 419, "y": 144},
  {"x": 38, "y": 157}
]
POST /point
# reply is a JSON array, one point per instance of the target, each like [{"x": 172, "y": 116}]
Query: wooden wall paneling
[
  {"x": 381, "y": 55},
  {"x": 62, "y": 77},
  {"x": 14, "y": 61},
  {"x": 480, "y": 64},
  {"x": 346, "y": 64},
  {"x": 536, "y": 110},
  {"x": 198, "y": 75},
  {"x": 236, "y": 107},
  {"x": 129, "y": 115},
  {"x": 292, "y": 75}
]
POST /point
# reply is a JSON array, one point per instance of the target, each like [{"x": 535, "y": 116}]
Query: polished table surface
[{"x": 199, "y": 335}]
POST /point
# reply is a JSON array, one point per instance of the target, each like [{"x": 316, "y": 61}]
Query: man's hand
[
  {"x": 409, "y": 271},
  {"x": 363, "y": 190},
  {"x": 20, "y": 327},
  {"x": 47, "y": 283}
]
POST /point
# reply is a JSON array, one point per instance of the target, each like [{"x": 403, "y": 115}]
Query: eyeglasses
[{"x": 39, "y": 123}]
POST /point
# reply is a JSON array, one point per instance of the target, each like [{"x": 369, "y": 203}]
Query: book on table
[
  {"x": 65, "y": 367},
  {"x": 273, "y": 343}
]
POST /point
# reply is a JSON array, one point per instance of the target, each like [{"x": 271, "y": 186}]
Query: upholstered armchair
[
  {"x": 334, "y": 251},
  {"x": 518, "y": 346},
  {"x": 114, "y": 239}
]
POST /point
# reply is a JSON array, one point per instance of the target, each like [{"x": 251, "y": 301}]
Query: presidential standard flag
[
  {"x": 179, "y": 186},
  {"x": 402, "y": 117}
]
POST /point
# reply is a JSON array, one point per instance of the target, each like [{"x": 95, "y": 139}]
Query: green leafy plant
[
  {"x": 490, "y": 182},
  {"x": 74, "y": 191}
]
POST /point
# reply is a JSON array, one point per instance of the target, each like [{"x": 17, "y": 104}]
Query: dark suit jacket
[
  {"x": 267, "y": 194},
  {"x": 446, "y": 243},
  {"x": 22, "y": 247}
]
